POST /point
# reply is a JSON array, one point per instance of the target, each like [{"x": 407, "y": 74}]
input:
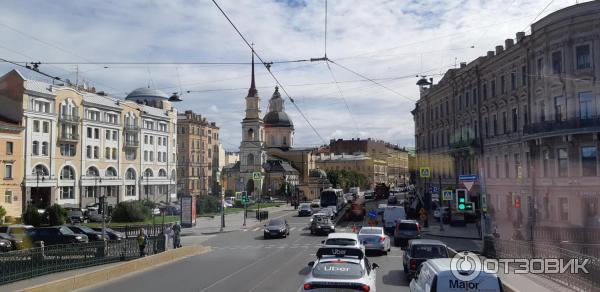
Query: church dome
[
  {"x": 278, "y": 119},
  {"x": 145, "y": 93}
]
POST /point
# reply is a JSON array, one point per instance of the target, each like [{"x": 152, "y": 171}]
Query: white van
[
  {"x": 391, "y": 214},
  {"x": 436, "y": 275}
]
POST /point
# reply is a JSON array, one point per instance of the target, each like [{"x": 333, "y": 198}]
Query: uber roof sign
[{"x": 340, "y": 252}]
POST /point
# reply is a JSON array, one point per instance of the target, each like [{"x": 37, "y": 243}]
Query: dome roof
[
  {"x": 278, "y": 119},
  {"x": 144, "y": 92}
]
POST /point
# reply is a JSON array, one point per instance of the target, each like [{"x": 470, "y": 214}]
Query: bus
[{"x": 332, "y": 198}]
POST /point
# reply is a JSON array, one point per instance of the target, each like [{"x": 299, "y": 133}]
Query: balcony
[
  {"x": 131, "y": 128},
  {"x": 133, "y": 144},
  {"x": 69, "y": 137},
  {"x": 570, "y": 126},
  {"x": 73, "y": 119},
  {"x": 464, "y": 144}
]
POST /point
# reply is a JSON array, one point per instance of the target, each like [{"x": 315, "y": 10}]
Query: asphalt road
[{"x": 244, "y": 261}]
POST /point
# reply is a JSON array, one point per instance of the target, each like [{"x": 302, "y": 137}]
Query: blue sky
[{"x": 382, "y": 39}]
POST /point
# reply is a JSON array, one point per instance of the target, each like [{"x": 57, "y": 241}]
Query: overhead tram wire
[
  {"x": 538, "y": 15},
  {"x": 272, "y": 75},
  {"x": 163, "y": 63},
  {"x": 343, "y": 98}
]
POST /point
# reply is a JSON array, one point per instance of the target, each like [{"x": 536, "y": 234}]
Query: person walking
[
  {"x": 176, "y": 235},
  {"x": 142, "y": 240}
]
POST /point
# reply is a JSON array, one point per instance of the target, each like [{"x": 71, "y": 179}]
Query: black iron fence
[
  {"x": 515, "y": 249},
  {"x": 134, "y": 230},
  {"x": 29, "y": 263}
]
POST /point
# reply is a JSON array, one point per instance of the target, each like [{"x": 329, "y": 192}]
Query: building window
[
  {"x": 66, "y": 193},
  {"x": 515, "y": 119},
  {"x": 474, "y": 95},
  {"x": 497, "y": 167},
  {"x": 36, "y": 126},
  {"x": 542, "y": 111},
  {"x": 40, "y": 170},
  {"x": 67, "y": 150},
  {"x": 151, "y": 140},
  {"x": 145, "y": 155},
  {"x": 560, "y": 109},
  {"x": 130, "y": 191},
  {"x": 9, "y": 148},
  {"x": 525, "y": 116},
  {"x": 8, "y": 171},
  {"x": 517, "y": 158},
  {"x": 486, "y": 127},
  {"x": 45, "y": 148},
  {"x": 250, "y": 159},
  {"x": 488, "y": 167},
  {"x": 563, "y": 204},
  {"x": 96, "y": 133},
  {"x": 89, "y": 132},
  {"x": 8, "y": 197},
  {"x": 88, "y": 152},
  {"x": 107, "y": 153},
  {"x": 506, "y": 169},
  {"x": 540, "y": 68},
  {"x": 107, "y": 132},
  {"x": 493, "y": 88},
  {"x": 587, "y": 105},
  {"x": 111, "y": 172},
  {"x": 96, "y": 152},
  {"x": 546, "y": 163},
  {"x": 114, "y": 153},
  {"x": 557, "y": 62},
  {"x": 151, "y": 156},
  {"x": 67, "y": 172},
  {"x": 130, "y": 174},
  {"x": 467, "y": 99},
  {"x": 114, "y": 135},
  {"x": 504, "y": 123},
  {"x": 523, "y": 75},
  {"x": 92, "y": 171},
  {"x": 513, "y": 81},
  {"x": 484, "y": 91},
  {"x": 495, "y": 124},
  {"x": 502, "y": 85},
  {"x": 589, "y": 156},
  {"x": 563, "y": 162},
  {"x": 582, "y": 54},
  {"x": 527, "y": 163}
]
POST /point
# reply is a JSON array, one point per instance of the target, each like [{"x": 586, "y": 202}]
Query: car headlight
[
  {"x": 266, "y": 230},
  {"x": 2, "y": 243},
  {"x": 78, "y": 237},
  {"x": 319, "y": 226},
  {"x": 99, "y": 236},
  {"x": 332, "y": 227}
]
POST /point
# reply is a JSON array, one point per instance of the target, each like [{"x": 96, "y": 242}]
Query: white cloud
[{"x": 381, "y": 39}]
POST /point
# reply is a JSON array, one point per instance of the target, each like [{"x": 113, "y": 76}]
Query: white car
[
  {"x": 328, "y": 211},
  {"x": 435, "y": 275},
  {"x": 373, "y": 238},
  {"x": 343, "y": 239},
  {"x": 341, "y": 269}
]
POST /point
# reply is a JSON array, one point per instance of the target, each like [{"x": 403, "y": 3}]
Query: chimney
[
  {"x": 508, "y": 43},
  {"x": 101, "y": 93},
  {"x": 463, "y": 64},
  {"x": 520, "y": 36},
  {"x": 490, "y": 54},
  {"x": 499, "y": 49}
]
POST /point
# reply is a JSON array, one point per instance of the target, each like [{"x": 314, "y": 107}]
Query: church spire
[{"x": 252, "y": 91}]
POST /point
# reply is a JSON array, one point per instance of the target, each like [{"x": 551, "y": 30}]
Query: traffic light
[
  {"x": 461, "y": 199},
  {"x": 469, "y": 206}
]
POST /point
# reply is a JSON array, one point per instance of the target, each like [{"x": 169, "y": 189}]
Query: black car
[
  {"x": 13, "y": 241},
  {"x": 92, "y": 234},
  {"x": 5, "y": 244},
  {"x": 112, "y": 234},
  {"x": 56, "y": 235},
  {"x": 304, "y": 210},
  {"x": 17, "y": 234},
  {"x": 75, "y": 216},
  {"x": 420, "y": 250},
  {"x": 406, "y": 230},
  {"x": 276, "y": 228},
  {"x": 321, "y": 224}
]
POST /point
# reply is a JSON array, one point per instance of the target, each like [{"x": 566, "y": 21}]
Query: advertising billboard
[{"x": 188, "y": 211}]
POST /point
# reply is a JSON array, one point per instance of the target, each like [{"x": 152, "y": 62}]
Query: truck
[
  {"x": 381, "y": 191},
  {"x": 357, "y": 208}
]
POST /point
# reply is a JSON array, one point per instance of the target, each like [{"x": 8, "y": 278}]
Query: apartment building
[
  {"x": 11, "y": 163},
  {"x": 375, "y": 170}
]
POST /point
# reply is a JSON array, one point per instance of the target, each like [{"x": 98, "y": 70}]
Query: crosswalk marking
[
  {"x": 291, "y": 229},
  {"x": 256, "y": 229}
]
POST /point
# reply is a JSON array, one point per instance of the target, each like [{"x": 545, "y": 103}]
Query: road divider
[{"x": 104, "y": 275}]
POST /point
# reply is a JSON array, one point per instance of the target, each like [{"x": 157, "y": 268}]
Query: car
[
  {"x": 94, "y": 216},
  {"x": 5, "y": 244},
  {"x": 19, "y": 234},
  {"x": 373, "y": 238},
  {"x": 444, "y": 212},
  {"x": 75, "y": 216},
  {"x": 304, "y": 210},
  {"x": 227, "y": 204},
  {"x": 392, "y": 200},
  {"x": 329, "y": 212},
  {"x": 406, "y": 230},
  {"x": 321, "y": 223},
  {"x": 381, "y": 208},
  {"x": 341, "y": 269},
  {"x": 420, "y": 250},
  {"x": 276, "y": 228},
  {"x": 316, "y": 204},
  {"x": 437, "y": 275},
  {"x": 92, "y": 234},
  {"x": 391, "y": 215},
  {"x": 369, "y": 195},
  {"x": 55, "y": 235},
  {"x": 343, "y": 239},
  {"x": 112, "y": 234}
]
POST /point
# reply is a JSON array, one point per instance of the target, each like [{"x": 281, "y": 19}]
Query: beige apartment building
[
  {"x": 79, "y": 145},
  {"x": 524, "y": 118},
  {"x": 375, "y": 170},
  {"x": 11, "y": 163},
  {"x": 198, "y": 160}
]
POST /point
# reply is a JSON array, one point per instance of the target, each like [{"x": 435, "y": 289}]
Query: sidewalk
[{"x": 233, "y": 222}]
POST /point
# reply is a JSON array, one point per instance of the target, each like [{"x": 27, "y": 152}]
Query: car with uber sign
[{"x": 341, "y": 269}]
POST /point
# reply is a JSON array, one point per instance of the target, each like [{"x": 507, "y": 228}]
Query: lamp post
[
  {"x": 96, "y": 179},
  {"x": 441, "y": 199}
]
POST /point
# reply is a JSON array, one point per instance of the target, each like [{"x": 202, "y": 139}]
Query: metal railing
[
  {"x": 134, "y": 230},
  {"x": 515, "y": 249},
  {"x": 129, "y": 143},
  {"x": 69, "y": 136},
  {"x": 551, "y": 126},
  {"x": 463, "y": 143},
  {"x": 29, "y": 263},
  {"x": 69, "y": 118}
]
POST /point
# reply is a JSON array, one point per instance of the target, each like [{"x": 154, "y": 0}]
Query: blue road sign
[
  {"x": 372, "y": 214},
  {"x": 467, "y": 177},
  {"x": 435, "y": 189}
]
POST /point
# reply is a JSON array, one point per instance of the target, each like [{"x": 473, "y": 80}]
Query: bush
[
  {"x": 238, "y": 204},
  {"x": 32, "y": 217},
  {"x": 54, "y": 215},
  {"x": 2, "y": 214},
  {"x": 132, "y": 211},
  {"x": 208, "y": 204}
]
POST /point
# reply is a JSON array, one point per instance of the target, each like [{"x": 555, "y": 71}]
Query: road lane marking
[
  {"x": 256, "y": 229},
  {"x": 292, "y": 228}
]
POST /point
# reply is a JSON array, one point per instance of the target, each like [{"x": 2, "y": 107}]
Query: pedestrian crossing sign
[
  {"x": 447, "y": 195},
  {"x": 424, "y": 172},
  {"x": 256, "y": 175}
]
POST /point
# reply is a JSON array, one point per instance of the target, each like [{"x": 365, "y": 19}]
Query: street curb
[{"x": 104, "y": 275}]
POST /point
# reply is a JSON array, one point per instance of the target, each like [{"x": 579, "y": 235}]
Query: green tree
[
  {"x": 2, "y": 214},
  {"x": 32, "y": 216},
  {"x": 345, "y": 178},
  {"x": 54, "y": 215},
  {"x": 131, "y": 211}
]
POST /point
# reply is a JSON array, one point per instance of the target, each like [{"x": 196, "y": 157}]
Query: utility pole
[
  {"x": 441, "y": 203},
  {"x": 223, "y": 212}
]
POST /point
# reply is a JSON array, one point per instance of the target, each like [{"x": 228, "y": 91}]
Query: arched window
[
  {"x": 67, "y": 172},
  {"x": 111, "y": 171},
  {"x": 250, "y": 160},
  {"x": 92, "y": 171},
  {"x": 148, "y": 173},
  {"x": 250, "y": 134},
  {"x": 40, "y": 170},
  {"x": 162, "y": 173},
  {"x": 130, "y": 174}
]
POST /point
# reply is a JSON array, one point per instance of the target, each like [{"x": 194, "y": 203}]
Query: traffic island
[{"x": 117, "y": 271}]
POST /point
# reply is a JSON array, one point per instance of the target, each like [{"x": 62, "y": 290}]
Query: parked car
[
  {"x": 92, "y": 234},
  {"x": 373, "y": 238},
  {"x": 19, "y": 233},
  {"x": 75, "y": 216},
  {"x": 321, "y": 223},
  {"x": 171, "y": 210},
  {"x": 112, "y": 234},
  {"x": 276, "y": 228},
  {"x": 304, "y": 210},
  {"x": 420, "y": 250},
  {"x": 405, "y": 231},
  {"x": 5, "y": 244},
  {"x": 55, "y": 235}
]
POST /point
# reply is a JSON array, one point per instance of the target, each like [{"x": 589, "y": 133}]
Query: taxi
[{"x": 341, "y": 269}]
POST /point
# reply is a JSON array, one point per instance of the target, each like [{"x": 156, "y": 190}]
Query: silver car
[
  {"x": 341, "y": 268},
  {"x": 373, "y": 238}
]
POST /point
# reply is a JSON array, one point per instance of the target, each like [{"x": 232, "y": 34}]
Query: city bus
[{"x": 332, "y": 198}]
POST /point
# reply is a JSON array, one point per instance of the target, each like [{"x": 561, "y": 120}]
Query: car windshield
[
  {"x": 66, "y": 231},
  {"x": 429, "y": 251},
  {"x": 85, "y": 229},
  {"x": 408, "y": 226},
  {"x": 322, "y": 219},
  {"x": 305, "y": 206},
  {"x": 275, "y": 223},
  {"x": 338, "y": 270},
  {"x": 18, "y": 230},
  {"x": 340, "y": 241},
  {"x": 3, "y": 229},
  {"x": 370, "y": 231}
]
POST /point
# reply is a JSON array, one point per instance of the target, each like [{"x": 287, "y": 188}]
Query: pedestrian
[
  {"x": 168, "y": 235},
  {"x": 423, "y": 216},
  {"x": 142, "y": 240},
  {"x": 176, "y": 235}
]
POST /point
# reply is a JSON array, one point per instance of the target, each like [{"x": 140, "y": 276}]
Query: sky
[{"x": 387, "y": 41}]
